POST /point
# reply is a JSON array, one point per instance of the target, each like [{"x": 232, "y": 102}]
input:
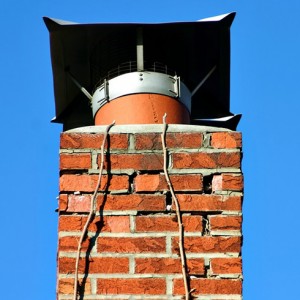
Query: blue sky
[{"x": 265, "y": 88}]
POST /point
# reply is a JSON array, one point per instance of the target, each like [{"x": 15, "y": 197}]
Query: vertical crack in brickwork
[
  {"x": 131, "y": 182},
  {"x": 205, "y": 225},
  {"x": 207, "y": 184},
  {"x": 168, "y": 201}
]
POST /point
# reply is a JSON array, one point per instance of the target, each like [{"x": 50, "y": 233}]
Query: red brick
[
  {"x": 101, "y": 224},
  {"x": 131, "y": 245},
  {"x": 116, "y": 224},
  {"x": 87, "y": 183},
  {"x": 208, "y": 244},
  {"x": 226, "y": 140},
  {"x": 132, "y": 286},
  {"x": 210, "y": 286},
  {"x": 231, "y": 265},
  {"x": 66, "y": 286},
  {"x": 79, "y": 203},
  {"x": 195, "y": 202},
  {"x": 106, "y": 265},
  {"x": 132, "y": 202},
  {"x": 152, "y": 141},
  {"x": 157, "y": 182},
  {"x": 63, "y": 202},
  {"x": 149, "y": 161},
  {"x": 224, "y": 182},
  {"x": 168, "y": 266},
  {"x": 75, "y": 161},
  {"x": 225, "y": 222},
  {"x": 70, "y": 244},
  {"x": 167, "y": 223},
  {"x": 74, "y": 223},
  {"x": 206, "y": 160},
  {"x": 92, "y": 141}
]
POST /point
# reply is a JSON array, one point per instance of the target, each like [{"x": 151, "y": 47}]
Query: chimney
[
  {"x": 173, "y": 139},
  {"x": 146, "y": 70}
]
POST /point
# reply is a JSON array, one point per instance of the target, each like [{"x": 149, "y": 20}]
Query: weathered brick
[
  {"x": 195, "y": 202},
  {"x": 226, "y": 140},
  {"x": 79, "y": 203},
  {"x": 63, "y": 202},
  {"x": 131, "y": 245},
  {"x": 92, "y": 141},
  {"x": 204, "y": 286},
  {"x": 168, "y": 266},
  {"x": 132, "y": 286},
  {"x": 152, "y": 141},
  {"x": 225, "y": 222},
  {"x": 167, "y": 223},
  {"x": 143, "y": 229},
  {"x": 87, "y": 183},
  {"x": 74, "y": 223},
  {"x": 100, "y": 223},
  {"x": 232, "y": 265},
  {"x": 75, "y": 161},
  {"x": 201, "y": 160},
  {"x": 116, "y": 224},
  {"x": 224, "y": 182},
  {"x": 138, "y": 202},
  {"x": 66, "y": 286},
  {"x": 93, "y": 265},
  {"x": 208, "y": 244},
  {"x": 70, "y": 244},
  {"x": 136, "y": 161},
  {"x": 157, "y": 182}
]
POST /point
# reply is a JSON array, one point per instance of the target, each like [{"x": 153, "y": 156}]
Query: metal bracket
[
  {"x": 104, "y": 87},
  {"x": 203, "y": 81},
  {"x": 131, "y": 83},
  {"x": 83, "y": 89},
  {"x": 106, "y": 90},
  {"x": 140, "y": 49},
  {"x": 176, "y": 82}
]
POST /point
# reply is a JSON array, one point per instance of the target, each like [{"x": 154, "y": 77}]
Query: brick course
[
  {"x": 157, "y": 182},
  {"x": 131, "y": 249}
]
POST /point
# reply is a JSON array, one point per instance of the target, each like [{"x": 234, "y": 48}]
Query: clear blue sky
[{"x": 265, "y": 88}]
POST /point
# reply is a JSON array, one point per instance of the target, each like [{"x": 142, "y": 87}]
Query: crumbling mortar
[
  {"x": 206, "y": 140},
  {"x": 203, "y": 171},
  {"x": 226, "y": 233},
  {"x": 94, "y": 161},
  {"x": 112, "y": 172},
  {"x": 132, "y": 220},
  {"x": 73, "y": 172},
  {"x": 205, "y": 225},
  {"x": 131, "y": 178},
  {"x": 207, "y": 183},
  {"x": 131, "y": 141},
  {"x": 206, "y": 150},
  {"x": 77, "y": 151},
  {"x": 93, "y": 286},
  {"x": 66, "y": 151}
]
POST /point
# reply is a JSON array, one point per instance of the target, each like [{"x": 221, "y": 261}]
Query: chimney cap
[{"x": 192, "y": 49}]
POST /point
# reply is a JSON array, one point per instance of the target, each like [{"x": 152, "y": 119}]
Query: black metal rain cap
[{"x": 198, "y": 52}]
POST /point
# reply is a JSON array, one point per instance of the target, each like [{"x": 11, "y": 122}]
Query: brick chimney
[
  {"x": 131, "y": 249},
  {"x": 120, "y": 231}
]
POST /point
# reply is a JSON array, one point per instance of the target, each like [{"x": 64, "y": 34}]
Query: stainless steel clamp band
[{"x": 141, "y": 82}]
